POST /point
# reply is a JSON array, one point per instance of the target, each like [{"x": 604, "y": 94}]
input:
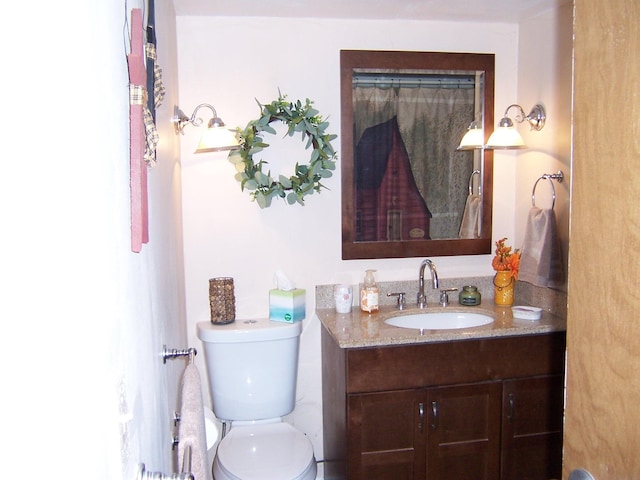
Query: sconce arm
[
  {"x": 536, "y": 117},
  {"x": 520, "y": 116},
  {"x": 180, "y": 119}
]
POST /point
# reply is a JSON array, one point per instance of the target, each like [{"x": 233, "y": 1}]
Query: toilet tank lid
[{"x": 242, "y": 331}]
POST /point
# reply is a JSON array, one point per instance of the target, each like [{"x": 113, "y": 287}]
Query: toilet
[{"x": 252, "y": 367}]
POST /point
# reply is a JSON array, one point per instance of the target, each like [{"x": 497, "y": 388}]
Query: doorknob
[{"x": 580, "y": 474}]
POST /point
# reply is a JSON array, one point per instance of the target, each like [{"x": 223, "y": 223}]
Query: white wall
[
  {"x": 85, "y": 394},
  {"x": 545, "y": 76},
  {"x": 225, "y": 234}
]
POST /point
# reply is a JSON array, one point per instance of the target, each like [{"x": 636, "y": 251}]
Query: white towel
[
  {"x": 541, "y": 254},
  {"x": 192, "y": 426},
  {"x": 470, "y": 225}
]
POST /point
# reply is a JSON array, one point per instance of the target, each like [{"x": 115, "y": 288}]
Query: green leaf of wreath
[
  {"x": 286, "y": 182},
  {"x": 298, "y": 117}
]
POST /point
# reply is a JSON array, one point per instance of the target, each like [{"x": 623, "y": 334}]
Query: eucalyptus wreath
[{"x": 306, "y": 179}]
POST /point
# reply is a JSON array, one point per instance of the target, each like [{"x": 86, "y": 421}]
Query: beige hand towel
[
  {"x": 192, "y": 426},
  {"x": 541, "y": 253},
  {"x": 470, "y": 225}
]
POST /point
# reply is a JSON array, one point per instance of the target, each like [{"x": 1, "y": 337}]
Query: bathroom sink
[{"x": 440, "y": 320}]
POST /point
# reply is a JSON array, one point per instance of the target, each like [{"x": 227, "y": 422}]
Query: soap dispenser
[{"x": 369, "y": 293}]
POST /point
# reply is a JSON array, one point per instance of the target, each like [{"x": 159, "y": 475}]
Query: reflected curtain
[{"x": 431, "y": 122}]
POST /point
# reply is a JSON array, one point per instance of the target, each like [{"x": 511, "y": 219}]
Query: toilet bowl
[
  {"x": 252, "y": 370},
  {"x": 273, "y": 451}
]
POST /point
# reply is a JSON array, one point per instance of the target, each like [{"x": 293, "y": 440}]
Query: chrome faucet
[{"x": 422, "y": 298}]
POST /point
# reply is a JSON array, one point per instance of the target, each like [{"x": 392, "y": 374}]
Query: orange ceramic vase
[{"x": 503, "y": 284}]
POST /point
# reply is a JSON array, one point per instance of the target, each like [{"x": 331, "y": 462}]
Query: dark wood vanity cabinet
[
  {"x": 384, "y": 432},
  {"x": 463, "y": 432},
  {"x": 532, "y": 418},
  {"x": 482, "y": 409}
]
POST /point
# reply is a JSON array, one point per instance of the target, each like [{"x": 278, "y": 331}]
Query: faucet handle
[
  {"x": 401, "y": 300},
  {"x": 444, "y": 295}
]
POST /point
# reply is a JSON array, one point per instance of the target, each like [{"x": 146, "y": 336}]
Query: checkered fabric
[
  {"x": 158, "y": 87},
  {"x": 138, "y": 96}
]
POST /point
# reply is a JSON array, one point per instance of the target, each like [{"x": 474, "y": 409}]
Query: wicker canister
[{"x": 222, "y": 300}]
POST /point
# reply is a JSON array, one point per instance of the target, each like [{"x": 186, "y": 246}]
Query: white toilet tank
[{"x": 252, "y": 367}]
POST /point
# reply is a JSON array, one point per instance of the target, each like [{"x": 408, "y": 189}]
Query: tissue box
[{"x": 286, "y": 306}]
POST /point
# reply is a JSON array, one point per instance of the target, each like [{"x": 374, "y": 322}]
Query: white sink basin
[{"x": 440, "y": 320}]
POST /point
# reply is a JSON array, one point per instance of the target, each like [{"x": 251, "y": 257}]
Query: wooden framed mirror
[{"x": 405, "y": 186}]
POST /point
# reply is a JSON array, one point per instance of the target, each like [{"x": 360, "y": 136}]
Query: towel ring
[
  {"x": 548, "y": 176},
  {"x": 475, "y": 172}
]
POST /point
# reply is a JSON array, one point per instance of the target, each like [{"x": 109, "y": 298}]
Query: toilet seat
[{"x": 274, "y": 451}]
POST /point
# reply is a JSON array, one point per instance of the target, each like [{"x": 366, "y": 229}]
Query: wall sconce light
[
  {"x": 473, "y": 139},
  {"x": 507, "y": 137},
  {"x": 216, "y": 138}
]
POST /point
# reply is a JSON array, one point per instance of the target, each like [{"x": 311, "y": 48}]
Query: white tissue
[{"x": 282, "y": 281}]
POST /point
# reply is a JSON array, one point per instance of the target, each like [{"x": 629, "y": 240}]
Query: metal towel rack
[
  {"x": 186, "y": 474},
  {"x": 171, "y": 353},
  {"x": 548, "y": 176},
  {"x": 143, "y": 474}
]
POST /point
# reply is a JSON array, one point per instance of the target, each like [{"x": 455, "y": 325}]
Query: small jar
[{"x": 469, "y": 296}]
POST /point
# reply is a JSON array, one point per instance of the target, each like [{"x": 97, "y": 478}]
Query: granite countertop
[{"x": 358, "y": 329}]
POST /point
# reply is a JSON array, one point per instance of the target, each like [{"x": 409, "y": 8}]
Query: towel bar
[
  {"x": 171, "y": 353},
  {"x": 548, "y": 176},
  {"x": 186, "y": 474}
]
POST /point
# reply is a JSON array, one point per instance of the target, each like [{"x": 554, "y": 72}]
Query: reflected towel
[
  {"x": 541, "y": 255},
  {"x": 192, "y": 426},
  {"x": 470, "y": 225}
]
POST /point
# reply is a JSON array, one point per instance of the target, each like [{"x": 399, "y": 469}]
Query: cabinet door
[
  {"x": 464, "y": 432},
  {"x": 386, "y": 435},
  {"x": 532, "y": 416}
]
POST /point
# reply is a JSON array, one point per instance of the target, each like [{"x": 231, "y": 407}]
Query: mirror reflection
[{"x": 407, "y": 190}]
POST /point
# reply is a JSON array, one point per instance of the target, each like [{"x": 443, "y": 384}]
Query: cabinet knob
[{"x": 421, "y": 415}]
